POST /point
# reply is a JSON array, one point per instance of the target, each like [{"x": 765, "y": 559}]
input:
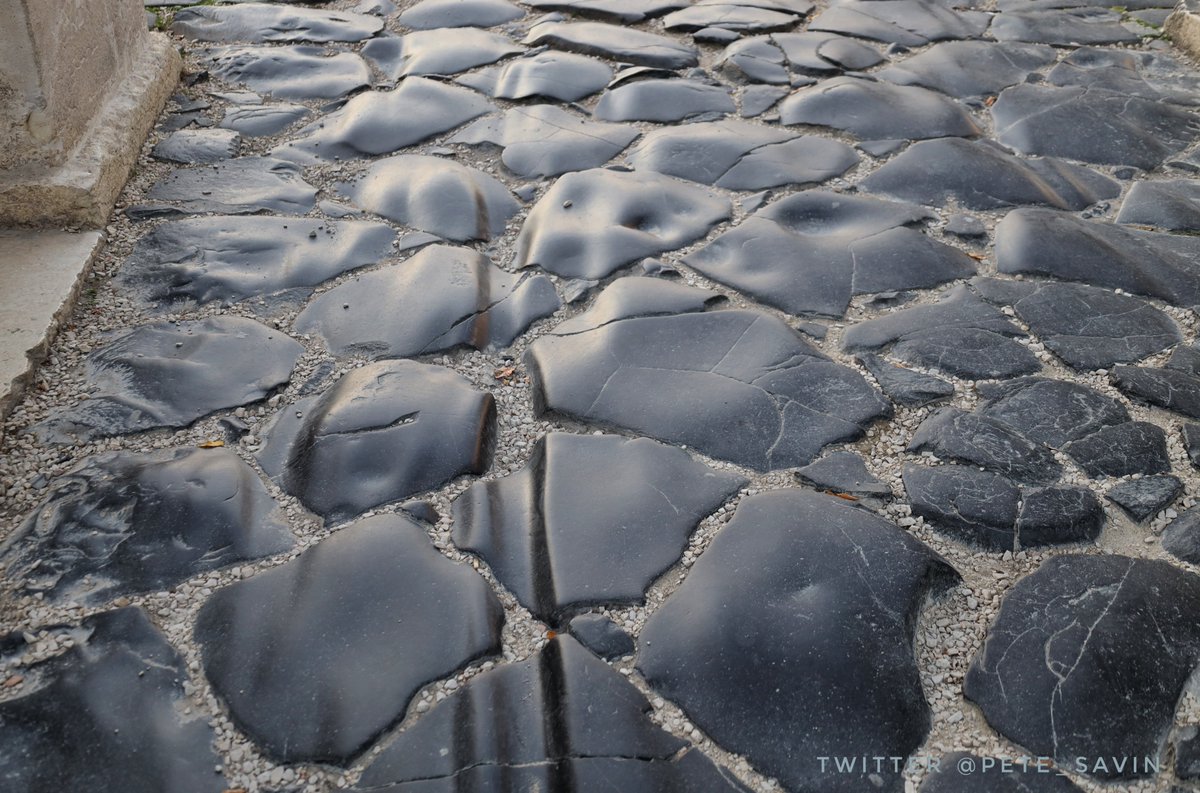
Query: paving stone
[
  {"x": 107, "y": 717},
  {"x": 977, "y": 507},
  {"x": 1174, "y": 205},
  {"x": 590, "y": 520},
  {"x": 750, "y": 17},
  {"x": 440, "y": 52},
  {"x": 404, "y": 616},
  {"x": 185, "y": 263},
  {"x": 966, "y": 69},
  {"x": 546, "y": 75},
  {"x": 1181, "y": 538},
  {"x": 910, "y": 23},
  {"x": 979, "y": 175},
  {"x": 757, "y": 59},
  {"x": 872, "y": 110},
  {"x": 962, "y": 772},
  {"x": 1054, "y": 412},
  {"x": 639, "y": 297},
  {"x": 809, "y": 600},
  {"x": 1145, "y": 497},
  {"x": 1145, "y": 74},
  {"x": 758, "y": 99},
  {"x": 736, "y": 385},
  {"x": 171, "y": 374},
  {"x": 819, "y": 53},
  {"x": 559, "y": 720},
  {"x": 602, "y": 636},
  {"x": 434, "y": 194},
  {"x": 1191, "y": 442},
  {"x": 592, "y": 223},
  {"x": 1167, "y": 388},
  {"x": 383, "y": 432},
  {"x": 843, "y": 472},
  {"x": 1062, "y": 26},
  {"x": 291, "y": 72},
  {"x": 544, "y": 140},
  {"x": 617, "y": 10},
  {"x": 961, "y": 225},
  {"x": 257, "y": 121},
  {"x": 619, "y": 43},
  {"x": 1059, "y": 515},
  {"x": 715, "y": 36},
  {"x": 243, "y": 186},
  {"x": 1187, "y": 752},
  {"x": 262, "y": 22},
  {"x": 811, "y": 252},
  {"x": 905, "y": 386},
  {"x": 953, "y": 434},
  {"x": 380, "y": 122},
  {"x": 125, "y": 522},
  {"x": 430, "y": 14},
  {"x": 663, "y": 100},
  {"x": 1088, "y": 658},
  {"x": 197, "y": 146},
  {"x": 441, "y": 298},
  {"x": 1136, "y": 447}
]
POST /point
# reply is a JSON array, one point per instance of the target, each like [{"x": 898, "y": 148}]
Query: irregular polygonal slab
[
  {"x": 261, "y": 22},
  {"x": 618, "y": 10},
  {"x": 969, "y": 68},
  {"x": 638, "y": 297},
  {"x": 1062, "y": 26},
  {"x": 812, "y": 251},
  {"x": 1173, "y": 205},
  {"x": 590, "y": 520},
  {"x": 1146, "y": 496},
  {"x": 1038, "y": 119},
  {"x": 1135, "y": 447},
  {"x": 553, "y": 75},
  {"x": 663, "y": 100},
  {"x": 107, "y": 717},
  {"x": 976, "y": 507},
  {"x": 382, "y": 433},
  {"x": 756, "y": 59},
  {"x": 1059, "y": 515},
  {"x": 737, "y": 385},
  {"x": 828, "y": 619},
  {"x": 560, "y": 720},
  {"x": 435, "y": 195},
  {"x": 953, "y": 434},
  {"x": 623, "y": 44},
  {"x": 291, "y": 72},
  {"x": 1172, "y": 389},
  {"x": 911, "y": 23},
  {"x": 439, "y": 299},
  {"x": 173, "y": 373},
  {"x": 126, "y": 522},
  {"x": 748, "y": 17},
  {"x": 1054, "y": 412},
  {"x": 256, "y": 121},
  {"x": 904, "y": 386},
  {"x": 544, "y": 140},
  {"x": 382, "y": 122},
  {"x": 183, "y": 263},
  {"x": 1088, "y": 658},
  {"x": 442, "y": 52},
  {"x": 821, "y": 52},
  {"x": 1181, "y": 538},
  {"x": 1148, "y": 75},
  {"x": 430, "y": 14},
  {"x": 233, "y": 187},
  {"x": 197, "y": 146},
  {"x": 602, "y": 636},
  {"x": 979, "y": 175},
  {"x": 962, "y": 772},
  {"x": 590, "y": 224},
  {"x": 873, "y": 111},
  {"x": 843, "y": 472},
  {"x": 316, "y": 678}
]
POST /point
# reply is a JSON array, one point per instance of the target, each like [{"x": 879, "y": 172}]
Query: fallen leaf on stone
[
  {"x": 212, "y": 444},
  {"x": 505, "y": 373},
  {"x": 13, "y": 681},
  {"x": 845, "y": 496}
]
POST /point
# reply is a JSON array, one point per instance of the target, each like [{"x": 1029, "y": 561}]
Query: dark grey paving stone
[
  {"x": 1172, "y": 389},
  {"x": 807, "y": 602},
  {"x": 434, "y": 194},
  {"x": 639, "y": 297},
  {"x": 1191, "y": 442},
  {"x": 663, "y": 100},
  {"x": 811, "y": 252},
  {"x": 1136, "y": 447},
  {"x": 905, "y": 386},
  {"x": 262, "y": 22},
  {"x": 758, "y": 99},
  {"x": 979, "y": 508},
  {"x": 544, "y": 140},
  {"x": 1059, "y": 515},
  {"x": 1145, "y": 497},
  {"x": 1053, "y": 412},
  {"x": 1045, "y": 120},
  {"x": 910, "y": 23},
  {"x": 441, "y": 298},
  {"x": 1089, "y": 657},
  {"x": 959, "y": 307},
  {"x": 290, "y": 72},
  {"x": 438, "y": 52},
  {"x": 1181, "y": 538},
  {"x": 619, "y": 43},
  {"x": 752, "y": 17},
  {"x": 125, "y": 522},
  {"x": 843, "y": 472},
  {"x": 820, "y": 53},
  {"x": 1003, "y": 291},
  {"x": 961, "y": 225},
  {"x": 1145, "y": 74},
  {"x": 592, "y": 223},
  {"x": 383, "y": 432},
  {"x": 616, "y": 10},
  {"x": 1061, "y": 245},
  {"x": 1174, "y": 205},
  {"x": 257, "y": 121},
  {"x": 243, "y": 186},
  {"x": 107, "y": 717},
  {"x": 1187, "y": 752},
  {"x": 967, "y": 69},
  {"x": 1063, "y": 27},
  {"x": 403, "y": 617},
  {"x": 548, "y": 75},
  {"x": 186, "y": 263},
  {"x": 872, "y": 110},
  {"x": 757, "y": 59},
  {"x": 715, "y": 36},
  {"x": 560, "y": 720},
  {"x": 430, "y": 14},
  {"x": 952, "y": 776},
  {"x": 979, "y": 175},
  {"x": 381, "y": 122},
  {"x": 602, "y": 636},
  {"x": 197, "y": 146},
  {"x": 953, "y": 434},
  {"x": 171, "y": 374},
  {"x": 590, "y": 520},
  {"x": 736, "y": 385}
]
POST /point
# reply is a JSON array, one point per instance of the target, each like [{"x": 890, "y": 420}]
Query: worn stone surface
[
  {"x": 1059, "y": 515},
  {"x": 843, "y": 472},
  {"x": 962, "y": 772},
  {"x": 905, "y": 386},
  {"x": 1054, "y": 412},
  {"x": 1147, "y": 496},
  {"x": 638, "y": 297},
  {"x": 243, "y": 186},
  {"x": 303, "y": 72},
  {"x": 547, "y": 75},
  {"x": 1172, "y": 389},
  {"x": 1063, "y": 26},
  {"x": 733, "y": 15},
  {"x": 953, "y": 434},
  {"x": 198, "y": 146},
  {"x": 602, "y": 636},
  {"x": 1136, "y": 447},
  {"x": 434, "y": 52},
  {"x": 430, "y": 14},
  {"x": 872, "y": 111},
  {"x": 262, "y": 22},
  {"x": 976, "y": 507},
  {"x": 613, "y": 41},
  {"x": 1173, "y": 206},
  {"x": 662, "y": 100},
  {"x": 1181, "y": 538},
  {"x": 910, "y": 23},
  {"x": 257, "y": 121},
  {"x": 966, "y": 69}
]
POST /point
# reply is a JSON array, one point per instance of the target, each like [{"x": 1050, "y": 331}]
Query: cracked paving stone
[
  {"x": 1187, "y": 752},
  {"x": 1059, "y": 515},
  {"x": 1055, "y": 412},
  {"x": 905, "y": 386},
  {"x": 548, "y": 75},
  {"x": 559, "y": 720},
  {"x": 1191, "y": 442},
  {"x": 257, "y": 121},
  {"x": 1135, "y": 447},
  {"x": 812, "y": 655},
  {"x": 736, "y": 385},
  {"x": 380, "y": 122},
  {"x": 384, "y": 432},
  {"x": 777, "y": 58},
  {"x": 639, "y": 297},
  {"x": 125, "y": 522},
  {"x": 1096, "y": 651},
  {"x": 592, "y": 223},
  {"x": 314, "y": 678},
  {"x": 181, "y": 264},
  {"x": 966, "y": 226},
  {"x": 297, "y": 73},
  {"x": 1181, "y": 538},
  {"x": 1046, "y": 120},
  {"x": 663, "y": 100},
  {"x": 1071, "y": 26},
  {"x": 811, "y": 252},
  {"x": 617, "y": 42},
  {"x": 172, "y": 374},
  {"x": 602, "y": 636},
  {"x": 965, "y": 69},
  {"x": 1144, "y": 74},
  {"x": 590, "y": 520},
  {"x": 1173, "y": 205},
  {"x": 977, "y": 440},
  {"x": 616, "y": 10},
  {"x": 262, "y": 22},
  {"x": 1170, "y": 388},
  {"x": 754, "y": 16},
  {"x": 1145, "y": 497},
  {"x": 107, "y": 717},
  {"x": 441, "y": 298},
  {"x": 197, "y": 146},
  {"x": 871, "y": 110},
  {"x": 1058, "y": 244},
  {"x": 1017, "y": 777},
  {"x": 980, "y": 175},
  {"x": 843, "y": 472},
  {"x": 758, "y": 99},
  {"x": 909, "y": 23},
  {"x": 434, "y": 194},
  {"x": 544, "y": 140},
  {"x": 976, "y": 507},
  {"x": 244, "y": 186},
  {"x": 431, "y": 14},
  {"x": 438, "y": 52}
]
